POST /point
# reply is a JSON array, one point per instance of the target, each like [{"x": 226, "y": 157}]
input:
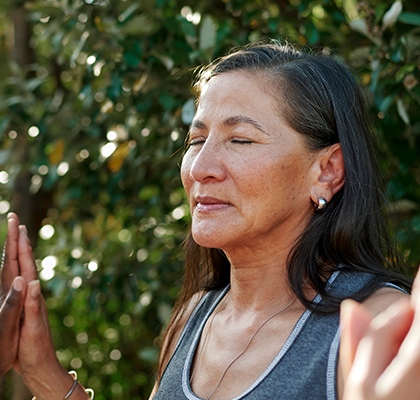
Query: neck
[
  {"x": 259, "y": 286},
  {"x": 259, "y": 276}
]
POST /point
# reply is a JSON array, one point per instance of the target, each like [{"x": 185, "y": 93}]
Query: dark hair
[{"x": 319, "y": 98}]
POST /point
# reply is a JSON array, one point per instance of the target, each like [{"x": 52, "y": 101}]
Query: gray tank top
[{"x": 304, "y": 369}]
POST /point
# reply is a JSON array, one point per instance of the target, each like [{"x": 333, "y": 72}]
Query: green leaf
[
  {"x": 128, "y": 12},
  {"x": 139, "y": 25},
  {"x": 79, "y": 48},
  {"x": 385, "y": 103},
  {"x": 409, "y": 18},
  {"x": 131, "y": 59},
  {"x": 402, "y": 112},
  {"x": 11, "y": 101},
  {"x": 161, "y": 3},
  {"x": 167, "y": 101},
  {"x": 166, "y": 61},
  {"x": 187, "y": 27},
  {"x": 148, "y": 355},
  {"x": 148, "y": 192},
  {"x": 403, "y": 71},
  {"x": 32, "y": 84},
  {"x": 4, "y": 156},
  {"x": 4, "y": 123},
  {"x": 143, "y": 106},
  {"x": 188, "y": 111},
  {"x": 115, "y": 89},
  {"x": 207, "y": 34}
]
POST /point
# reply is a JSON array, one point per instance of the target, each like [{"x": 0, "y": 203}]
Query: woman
[{"x": 286, "y": 223}]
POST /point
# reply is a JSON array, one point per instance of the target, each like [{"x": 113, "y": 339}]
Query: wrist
[{"x": 55, "y": 386}]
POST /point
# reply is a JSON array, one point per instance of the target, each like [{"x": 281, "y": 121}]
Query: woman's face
[{"x": 246, "y": 173}]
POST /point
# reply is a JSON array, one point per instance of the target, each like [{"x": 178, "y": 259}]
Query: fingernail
[
  {"x": 345, "y": 307},
  {"x": 35, "y": 288},
  {"x": 18, "y": 284},
  {"x": 24, "y": 232}
]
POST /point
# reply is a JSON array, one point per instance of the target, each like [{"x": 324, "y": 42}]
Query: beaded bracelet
[{"x": 90, "y": 392}]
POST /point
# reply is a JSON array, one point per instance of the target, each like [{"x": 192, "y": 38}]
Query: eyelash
[
  {"x": 242, "y": 141},
  {"x": 236, "y": 141},
  {"x": 194, "y": 143}
]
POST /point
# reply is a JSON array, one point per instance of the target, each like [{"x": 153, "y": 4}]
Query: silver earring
[{"x": 322, "y": 204}]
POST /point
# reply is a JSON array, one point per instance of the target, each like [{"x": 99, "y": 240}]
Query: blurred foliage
[{"x": 94, "y": 123}]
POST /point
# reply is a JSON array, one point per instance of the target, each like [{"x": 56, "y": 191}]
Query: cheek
[
  {"x": 185, "y": 175},
  {"x": 276, "y": 180}
]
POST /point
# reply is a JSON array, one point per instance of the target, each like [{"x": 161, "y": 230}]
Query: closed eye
[
  {"x": 238, "y": 141},
  {"x": 195, "y": 142}
]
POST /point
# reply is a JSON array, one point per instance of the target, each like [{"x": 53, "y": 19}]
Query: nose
[{"x": 207, "y": 164}]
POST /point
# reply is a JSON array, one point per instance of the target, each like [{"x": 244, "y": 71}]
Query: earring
[{"x": 322, "y": 204}]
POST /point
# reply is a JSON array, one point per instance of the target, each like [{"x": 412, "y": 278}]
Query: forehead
[{"x": 238, "y": 93}]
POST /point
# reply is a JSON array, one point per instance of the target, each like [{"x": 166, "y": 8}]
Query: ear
[{"x": 329, "y": 174}]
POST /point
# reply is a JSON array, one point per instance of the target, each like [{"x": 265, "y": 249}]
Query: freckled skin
[{"x": 261, "y": 173}]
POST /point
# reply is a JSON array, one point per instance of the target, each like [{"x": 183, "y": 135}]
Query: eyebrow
[{"x": 231, "y": 121}]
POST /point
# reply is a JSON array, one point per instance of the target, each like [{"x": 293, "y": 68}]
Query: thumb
[
  {"x": 354, "y": 322},
  {"x": 10, "y": 314},
  {"x": 11, "y": 309}
]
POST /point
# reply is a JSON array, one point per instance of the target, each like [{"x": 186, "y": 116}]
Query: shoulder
[
  {"x": 182, "y": 319},
  {"x": 179, "y": 324},
  {"x": 172, "y": 338}
]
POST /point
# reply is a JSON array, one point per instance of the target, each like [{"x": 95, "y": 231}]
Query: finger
[
  {"x": 402, "y": 376},
  {"x": 10, "y": 314},
  {"x": 381, "y": 343},
  {"x": 26, "y": 259},
  {"x": 411, "y": 344},
  {"x": 35, "y": 345},
  {"x": 354, "y": 322},
  {"x": 415, "y": 293},
  {"x": 10, "y": 266},
  {"x": 36, "y": 316}
]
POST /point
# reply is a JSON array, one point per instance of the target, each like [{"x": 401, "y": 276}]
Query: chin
[
  {"x": 212, "y": 240},
  {"x": 214, "y": 234},
  {"x": 205, "y": 241}
]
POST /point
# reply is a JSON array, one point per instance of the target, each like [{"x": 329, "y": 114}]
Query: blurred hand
[
  {"x": 380, "y": 357},
  {"x": 12, "y": 296}
]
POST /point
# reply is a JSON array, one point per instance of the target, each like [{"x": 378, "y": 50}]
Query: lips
[{"x": 209, "y": 204}]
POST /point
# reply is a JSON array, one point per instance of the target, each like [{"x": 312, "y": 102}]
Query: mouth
[{"x": 209, "y": 204}]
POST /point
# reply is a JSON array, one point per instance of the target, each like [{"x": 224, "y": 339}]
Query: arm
[{"x": 380, "y": 356}]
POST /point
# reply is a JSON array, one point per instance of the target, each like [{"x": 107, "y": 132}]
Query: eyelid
[{"x": 195, "y": 140}]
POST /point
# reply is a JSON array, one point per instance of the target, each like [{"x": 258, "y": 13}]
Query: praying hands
[{"x": 25, "y": 335}]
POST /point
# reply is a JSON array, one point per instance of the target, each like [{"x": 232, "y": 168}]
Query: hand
[
  {"x": 36, "y": 350},
  {"x": 36, "y": 360},
  {"x": 380, "y": 357},
  {"x": 12, "y": 295}
]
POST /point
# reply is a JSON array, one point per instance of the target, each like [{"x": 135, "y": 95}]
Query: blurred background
[{"x": 95, "y": 104}]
